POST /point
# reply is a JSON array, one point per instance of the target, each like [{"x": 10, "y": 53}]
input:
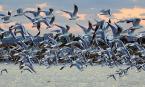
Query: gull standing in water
[
  {"x": 112, "y": 75},
  {"x": 4, "y": 70}
]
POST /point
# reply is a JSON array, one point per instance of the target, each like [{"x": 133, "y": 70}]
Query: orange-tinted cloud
[
  {"x": 125, "y": 13},
  {"x": 143, "y": 23},
  {"x": 42, "y": 5},
  {"x": 30, "y": 9},
  {"x": 2, "y": 25},
  {"x": 75, "y": 30},
  {"x": 130, "y": 13},
  {"x": 42, "y": 14},
  {"x": 102, "y": 17},
  {"x": 82, "y": 16},
  {"x": 7, "y": 25},
  {"x": 28, "y": 25},
  {"x": 1, "y": 8}
]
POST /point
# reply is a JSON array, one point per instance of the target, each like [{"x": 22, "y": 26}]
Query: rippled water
[{"x": 53, "y": 77}]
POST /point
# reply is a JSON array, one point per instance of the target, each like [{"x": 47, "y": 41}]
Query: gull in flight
[
  {"x": 19, "y": 12},
  {"x": 135, "y": 22},
  {"x": 49, "y": 13},
  {"x": 105, "y": 12},
  {"x": 35, "y": 13},
  {"x": 86, "y": 30},
  {"x": 6, "y": 18},
  {"x": 73, "y": 15},
  {"x": 48, "y": 22},
  {"x": 37, "y": 22},
  {"x": 19, "y": 28}
]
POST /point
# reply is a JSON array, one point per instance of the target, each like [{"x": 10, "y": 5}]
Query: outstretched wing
[
  {"x": 29, "y": 18},
  {"x": 52, "y": 20},
  {"x": 2, "y": 14},
  {"x": 38, "y": 28},
  {"x": 94, "y": 34},
  {"x": 83, "y": 28},
  {"x": 90, "y": 25},
  {"x": 66, "y": 11},
  {"x": 63, "y": 29},
  {"x": 114, "y": 29},
  {"x": 75, "y": 10}
]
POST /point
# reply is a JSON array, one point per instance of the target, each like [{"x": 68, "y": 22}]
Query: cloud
[
  {"x": 2, "y": 25},
  {"x": 130, "y": 13},
  {"x": 42, "y": 14},
  {"x": 30, "y": 9},
  {"x": 7, "y": 25},
  {"x": 124, "y": 13},
  {"x": 42, "y": 5},
  {"x": 82, "y": 16},
  {"x": 75, "y": 30},
  {"x": 102, "y": 17},
  {"x": 28, "y": 25},
  {"x": 142, "y": 22},
  {"x": 1, "y": 8}
]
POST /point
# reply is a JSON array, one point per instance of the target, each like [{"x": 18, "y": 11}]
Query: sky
[{"x": 88, "y": 10}]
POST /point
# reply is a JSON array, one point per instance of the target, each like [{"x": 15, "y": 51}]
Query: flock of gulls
[{"x": 60, "y": 47}]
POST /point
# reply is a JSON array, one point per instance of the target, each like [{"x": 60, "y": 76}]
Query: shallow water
[{"x": 53, "y": 77}]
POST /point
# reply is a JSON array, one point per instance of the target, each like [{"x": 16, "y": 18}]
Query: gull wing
[{"x": 75, "y": 10}]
